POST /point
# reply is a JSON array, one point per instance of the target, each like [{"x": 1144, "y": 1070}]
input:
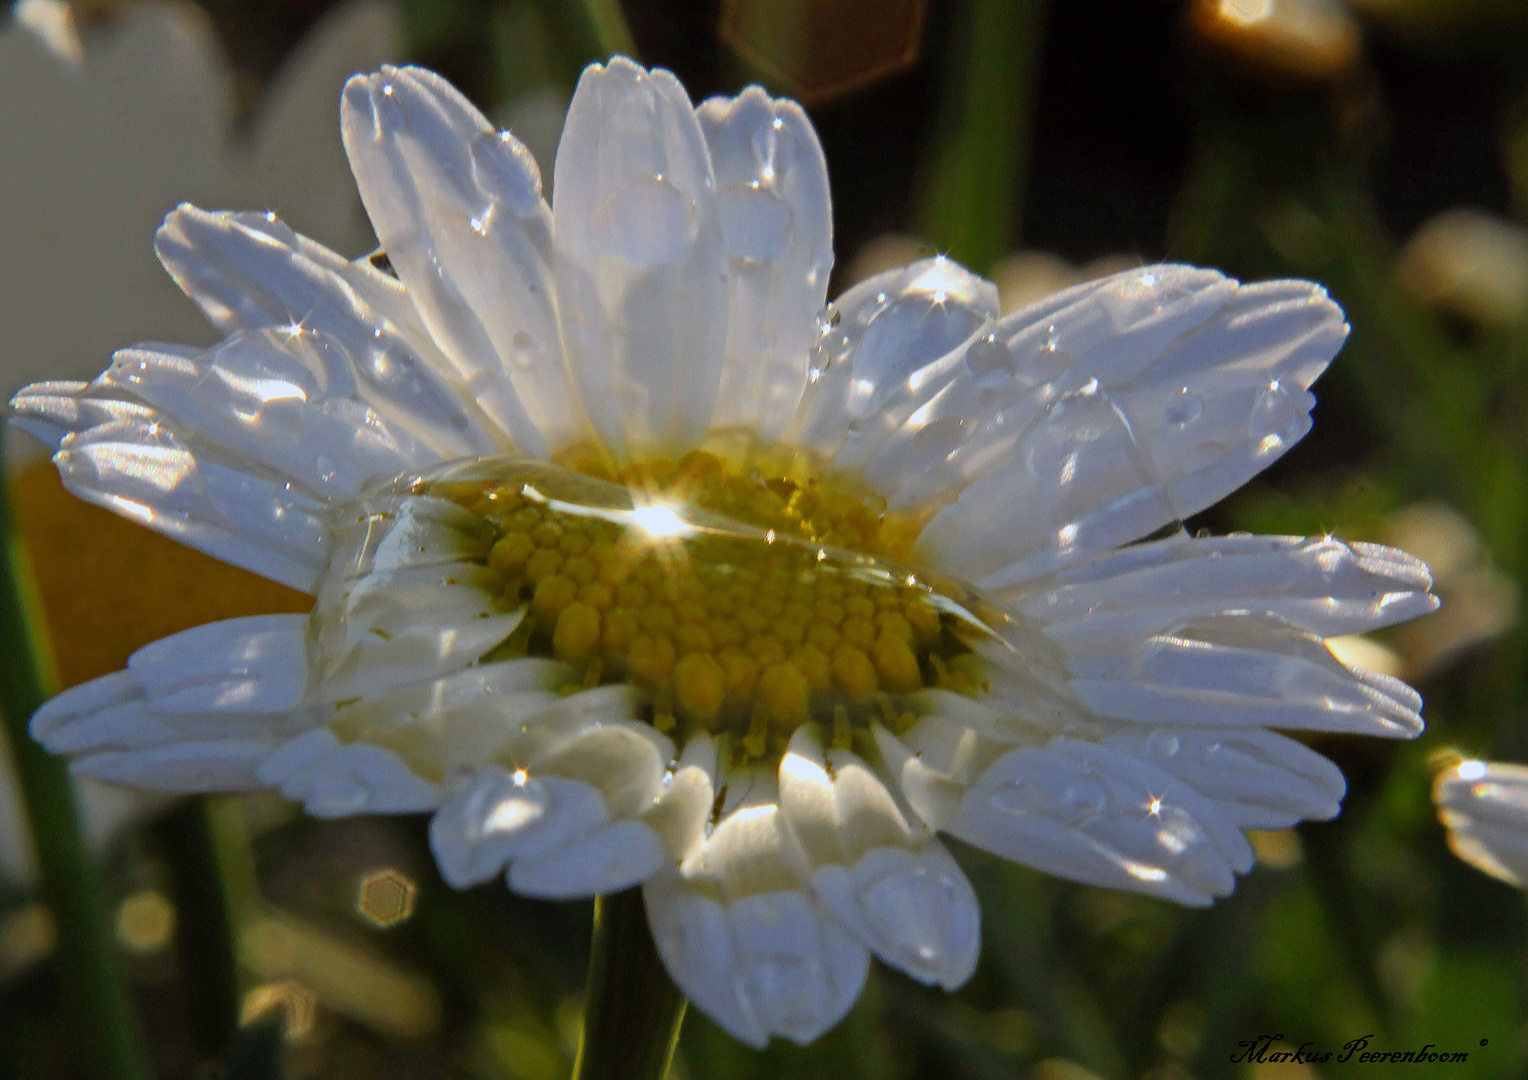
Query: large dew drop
[{"x": 649, "y": 222}]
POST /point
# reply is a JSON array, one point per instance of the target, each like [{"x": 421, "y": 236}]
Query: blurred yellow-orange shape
[{"x": 108, "y": 586}]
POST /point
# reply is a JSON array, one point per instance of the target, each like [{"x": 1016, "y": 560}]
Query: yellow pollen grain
[
  {"x": 621, "y": 629},
  {"x": 814, "y": 665},
  {"x": 699, "y": 685},
  {"x": 896, "y": 665},
  {"x": 552, "y": 595},
  {"x": 858, "y": 632},
  {"x": 578, "y": 632},
  {"x": 650, "y": 659},
  {"x": 510, "y": 552},
  {"x": 853, "y": 670},
  {"x": 543, "y": 563},
  {"x": 784, "y": 691}
]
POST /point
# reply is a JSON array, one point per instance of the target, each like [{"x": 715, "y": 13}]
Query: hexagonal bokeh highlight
[
  {"x": 817, "y": 50},
  {"x": 385, "y": 898}
]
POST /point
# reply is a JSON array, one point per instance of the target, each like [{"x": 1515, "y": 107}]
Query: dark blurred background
[{"x": 1379, "y": 147}]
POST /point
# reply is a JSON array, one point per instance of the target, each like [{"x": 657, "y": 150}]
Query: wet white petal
[
  {"x": 777, "y": 226},
  {"x": 458, "y": 208},
  {"x": 886, "y": 346},
  {"x": 1243, "y": 668},
  {"x": 230, "y": 508},
  {"x": 502, "y": 815},
  {"x": 1321, "y": 585},
  {"x": 681, "y": 812},
  {"x": 913, "y": 908},
  {"x": 612, "y": 858},
  {"x": 641, "y": 266},
  {"x": 775, "y": 963},
  {"x": 248, "y": 271},
  {"x": 1260, "y": 779},
  {"x": 1113, "y": 409},
  {"x": 1090, "y": 814}
]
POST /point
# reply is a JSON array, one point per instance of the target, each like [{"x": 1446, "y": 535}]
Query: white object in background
[{"x": 104, "y": 130}]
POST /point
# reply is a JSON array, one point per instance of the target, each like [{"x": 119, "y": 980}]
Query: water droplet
[
  {"x": 934, "y": 443},
  {"x": 989, "y": 363},
  {"x": 1022, "y": 798},
  {"x": 1083, "y": 801},
  {"x": 504, "y": 169},
  {"x": 1275, "y": 417},
  {"x": 788, "y": 992},
  {"x": 336, "y": 794},
  {"x": 774, "y": 148},
  {"x": 756, "y": 223},
  {"x": 915, "y": 911},
  {"x": 525, "y": 351},
  {"x": 648, "y": 222},
  {"x": 1162, "y": 745},
  {"x": 1182, "y": 409}
]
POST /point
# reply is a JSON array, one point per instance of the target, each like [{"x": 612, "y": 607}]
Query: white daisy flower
[
  {"x": 1484, "y": 806},
  {"x": 631, "y": 567}
]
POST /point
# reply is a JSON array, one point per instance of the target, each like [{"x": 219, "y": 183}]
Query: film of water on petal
[{"x": 738, "y": 601}]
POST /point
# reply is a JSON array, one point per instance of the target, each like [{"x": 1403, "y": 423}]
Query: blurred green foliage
[{"x": 1363, "y": 926}]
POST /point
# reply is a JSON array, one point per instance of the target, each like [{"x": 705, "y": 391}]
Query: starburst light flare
[{"x": 631, "y": 567}]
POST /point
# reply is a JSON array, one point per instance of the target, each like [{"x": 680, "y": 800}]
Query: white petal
[
  {"x": 1484, "y": 805},
  {"x": 769, "y": 964},
  {"x": 288, "y": 401},
  {"x": 1321, "y": 585},
  {"x": 799, "y": 969},
  {"x": 458, "y": 208},
  {"x": 458, "y": 722},
  {"x": 693, "y": 938},
  {"x": 1083, "y": 812},
  {"x": 501, "y": 815},
  {"x": 83, "y": 700},
  {"x": 777, "y": 225},
  {"x": 612, "y": 858},
  {"x": 49, "y": 411},
  {"x": 682, "y": 811},
  {"x": 748, "y": 852},
  {"x": 1113, "y": 410},
  {"x": 1260, "y": 779},
  {"x": 139, "y": 724},
  {"x": 250, "y": 665},
  {"x": 248, "y": 271},
  {"x": 1244, "y": 669},
  {"x": 159, "y": 476},
  {"x": 334, "y": 780},
  {"x": 886, "y": 346},
  {"x": 389, "y": 532},
  {"x": 933, "y": 795},
  {"x": 641, "y": 267},
  {"x": 624, "y": 760},
  {"x": 187, "y": 768},
  {"x": 913, "y": 909}
]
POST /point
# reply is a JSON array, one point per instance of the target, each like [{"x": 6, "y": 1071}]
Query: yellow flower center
[{"x": 744, "y": 599}]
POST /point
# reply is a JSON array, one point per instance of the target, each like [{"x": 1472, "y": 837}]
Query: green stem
[
  {"x": 204, "y": 936},
  {"x": 974, "y": 184},
  {"x": 71, "y": 883},
  {"x": 633, "y": 1010}
]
